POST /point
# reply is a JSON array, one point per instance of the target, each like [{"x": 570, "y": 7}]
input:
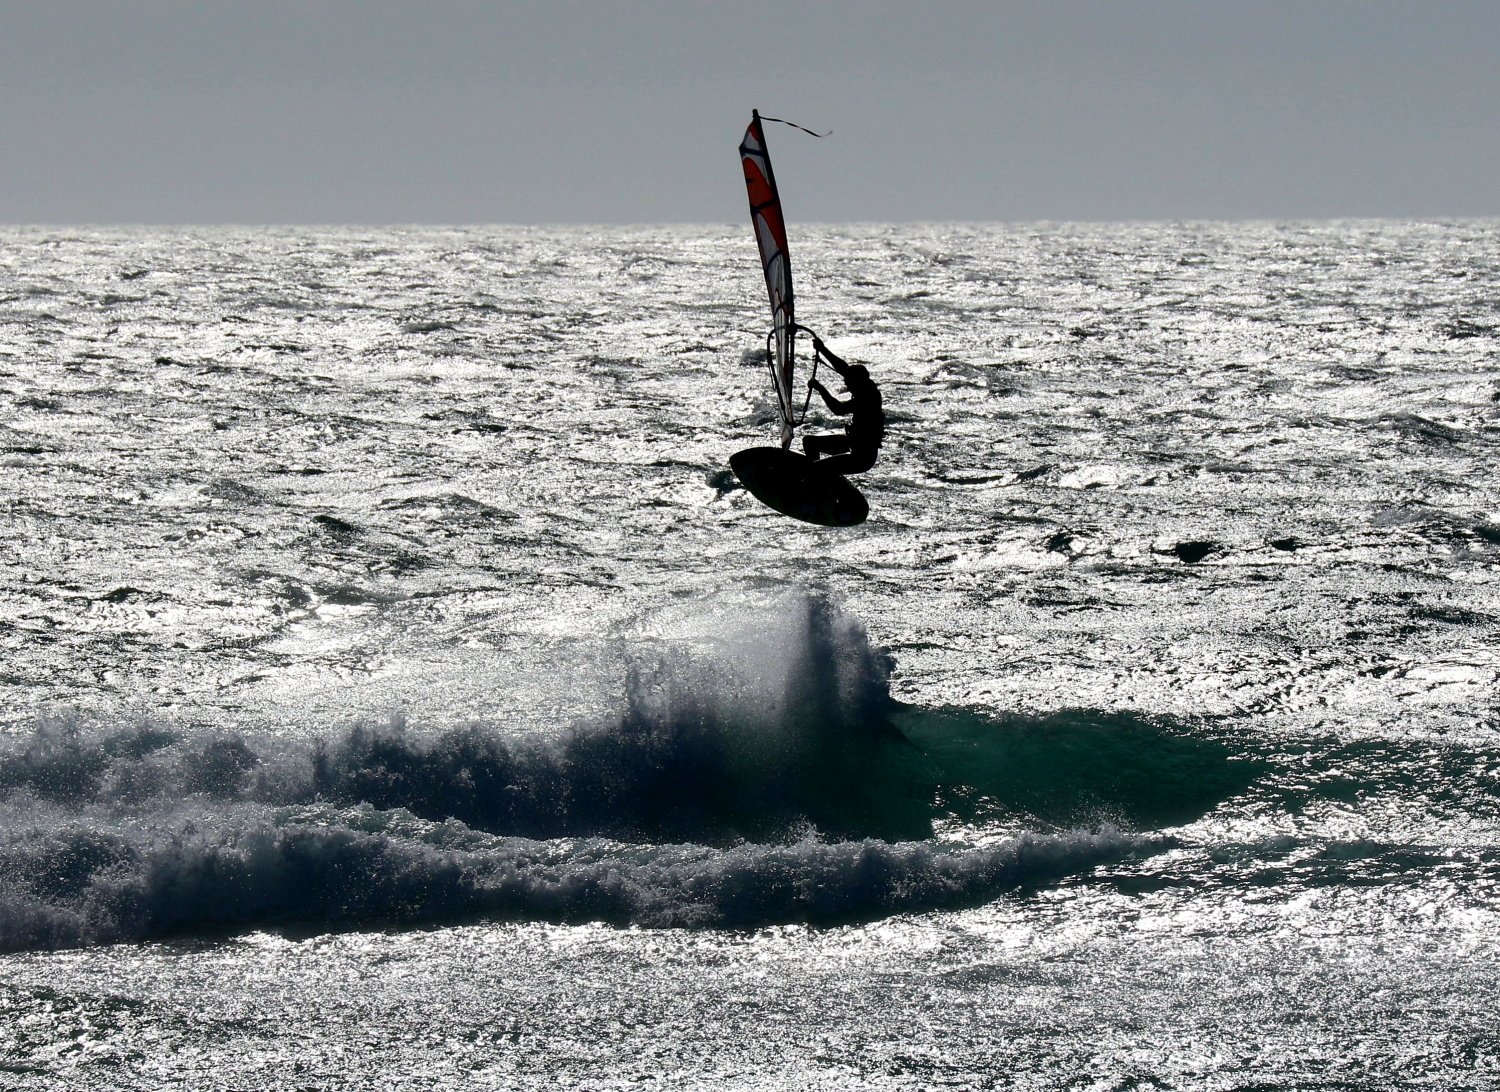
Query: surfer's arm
[
  {"x": 827, "y": 354},
  {"x": 830, "y": 401}
]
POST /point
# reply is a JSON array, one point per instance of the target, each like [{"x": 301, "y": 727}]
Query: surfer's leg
[
  {"x": 850, "y": 460},
  {"x": 815, "y": 447},
  {"x": 846, "y": 464}
]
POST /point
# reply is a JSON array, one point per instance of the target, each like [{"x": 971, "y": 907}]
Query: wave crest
[{"x": 79, "y": 885}]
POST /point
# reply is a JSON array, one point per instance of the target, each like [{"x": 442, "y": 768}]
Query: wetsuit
[{"x": 854, "y": 451}]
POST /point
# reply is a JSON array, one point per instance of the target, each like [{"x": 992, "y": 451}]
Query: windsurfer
[{"x": 855, "y": 450}]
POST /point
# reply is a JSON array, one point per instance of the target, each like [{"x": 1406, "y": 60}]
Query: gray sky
[{"x": 507, "y": 111}]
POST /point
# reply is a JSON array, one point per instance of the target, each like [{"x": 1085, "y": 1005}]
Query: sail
[{"x": 770, "y": 234}]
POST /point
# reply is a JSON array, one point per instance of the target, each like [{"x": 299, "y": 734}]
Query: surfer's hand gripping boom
[{"x": 817, "y": 342}]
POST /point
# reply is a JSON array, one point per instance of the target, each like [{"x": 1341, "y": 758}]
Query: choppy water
[{"x": 398, "y": 691}]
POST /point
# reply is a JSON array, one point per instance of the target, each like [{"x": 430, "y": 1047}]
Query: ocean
[{"x": 399, "y": 691}]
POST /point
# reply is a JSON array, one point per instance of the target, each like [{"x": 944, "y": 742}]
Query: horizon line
[{"x": 447, "y": 225}]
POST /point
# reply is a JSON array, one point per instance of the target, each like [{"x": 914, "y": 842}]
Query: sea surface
[{"x": 397, "y": 690}]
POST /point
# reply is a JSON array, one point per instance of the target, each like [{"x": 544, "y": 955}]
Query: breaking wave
[
  {"x": 88, "y": 884},
  {"x": 741, "y": 782}
]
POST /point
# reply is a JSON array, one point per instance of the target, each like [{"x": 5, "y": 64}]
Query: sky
[{"x": 630, "y": 111}]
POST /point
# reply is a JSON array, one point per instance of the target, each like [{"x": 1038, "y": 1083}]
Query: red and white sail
[{"x": 770, "y": 235}]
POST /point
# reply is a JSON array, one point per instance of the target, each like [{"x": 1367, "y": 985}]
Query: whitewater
[{"x": 399, "y": 691}]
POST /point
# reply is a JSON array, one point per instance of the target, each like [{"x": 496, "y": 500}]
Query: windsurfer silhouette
[{"x": 853, "y": 451}]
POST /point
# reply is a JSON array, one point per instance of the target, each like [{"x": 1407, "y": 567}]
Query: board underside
[{"x": 796, "y": 486}]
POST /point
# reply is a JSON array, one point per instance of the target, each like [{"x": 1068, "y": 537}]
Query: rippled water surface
[{"x": 400, "y": 692}]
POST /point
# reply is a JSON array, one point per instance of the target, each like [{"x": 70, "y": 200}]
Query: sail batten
[{"x": 770, "y": 236}]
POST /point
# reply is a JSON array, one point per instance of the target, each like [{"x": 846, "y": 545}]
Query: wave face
[{"x": 766, "y": 776}]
